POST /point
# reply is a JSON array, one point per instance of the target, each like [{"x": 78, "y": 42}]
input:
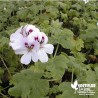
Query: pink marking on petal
[
  {"x": 43, "y": 37},
  {"x": 30, "y": 30},
  {"x": 32, "y": 46},
  {"x": 36, "y": 38},
  {"x": 26, "y": 44}
]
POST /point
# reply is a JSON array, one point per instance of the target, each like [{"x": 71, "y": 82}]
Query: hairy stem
[
  {"x": 56, "y": 50},
  {"x": 72, "y": 78},
  {"x": 6, "y": 67}
]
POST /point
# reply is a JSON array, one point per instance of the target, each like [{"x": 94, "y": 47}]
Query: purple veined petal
[
  {"x": 29, "y": 26},
  {"x": 44, "y": 36},
  {"x": 42, "y": 56},
  {"x": 28, "y": 29},
  {"x": 36, "y": 44},
  {"x": 24, "y": 33},
  {"x": 39, "y": 36},
  {"x": 35, "y": 36},
  {"x": 32, "y": 36},
  {"x": 48, "y": 48},
  {"x": 26, "y": 58},
  {"x": 34, "y": 56}
]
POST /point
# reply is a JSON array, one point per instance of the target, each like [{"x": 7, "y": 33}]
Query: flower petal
[
  {"x": 28, "y": 29},
  {"x": 48, "y": 48},
  {"x": 26, "y": 58},
  {"x": 16, "y": 35},
  {"x": 29, "y": 26},
  {"x": 45, "y": 37},
  {"x": 21, "y": 51},
  {"x": 16, "y": 45},
  {"x": 34, "y": 56},
  {"x": 35, "y": 34},
  {"x": 42, "y": 56},
  {"x": 19, "y": 44}
]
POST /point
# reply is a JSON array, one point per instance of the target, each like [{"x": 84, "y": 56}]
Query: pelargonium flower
[
  {"x": 44, "y": 48},
  {"x": 17, "y": 35},
  {"x": 26, "y": 30},
  {"x": 23, "y": 31},
  {"x": 32, "y": 43},
  {"x": 28, "y": 48}
]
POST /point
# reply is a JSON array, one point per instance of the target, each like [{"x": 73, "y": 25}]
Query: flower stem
[
  {"x": 6, "y": 67},
  {"x": 72, "y": 78},
  {"x": 56, "y": 50}
]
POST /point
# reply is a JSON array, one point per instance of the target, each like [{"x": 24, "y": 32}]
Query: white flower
[
  {"x": 17, "y": 35},
  {"x": 44, "y": 48},
  {"x": 28, "y": 48},
  {"x": 23, "y": 32},
  {"x": 29, "y": 29},
  {"x": 32, "y": 43}
]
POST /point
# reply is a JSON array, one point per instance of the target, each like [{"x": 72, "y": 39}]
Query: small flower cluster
[{"x": 29, "y": 41}]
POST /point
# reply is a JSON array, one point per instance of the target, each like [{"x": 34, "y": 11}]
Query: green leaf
[
  {"x": 95, "y": 46},
  {"x": 57, "y": 66},
  {"x": 65, "y": 38},
  {"x": 90, "y": 76},
  {"x": 4, "y": 41},
  {"x": 96, "y": 70},
  {"x": 79, "y": 44},
  {"x": 27, "y": 84},
  {"x": 80, "y": 56},
  {"x": 56, "y": 24}
]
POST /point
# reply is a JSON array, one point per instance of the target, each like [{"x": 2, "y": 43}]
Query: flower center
[
  {"x": 30, "y": 47},
  {"x": 41, "y": 46}
]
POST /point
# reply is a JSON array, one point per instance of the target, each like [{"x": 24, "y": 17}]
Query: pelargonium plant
[{"x": 32, "y": 43}]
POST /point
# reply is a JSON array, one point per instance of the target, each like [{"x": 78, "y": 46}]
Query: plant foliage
[{"x": 71, "y": 26}]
